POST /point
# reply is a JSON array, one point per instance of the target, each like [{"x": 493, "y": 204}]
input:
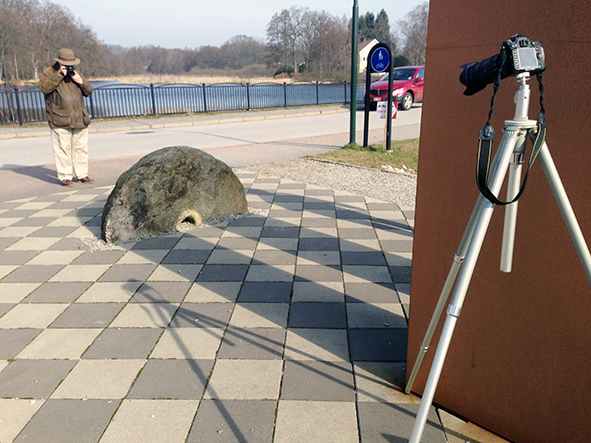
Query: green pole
[{"x": 354, "y": 70}]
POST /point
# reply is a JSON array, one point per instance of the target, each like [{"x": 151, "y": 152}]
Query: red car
[{"x": 407, "y": 87}]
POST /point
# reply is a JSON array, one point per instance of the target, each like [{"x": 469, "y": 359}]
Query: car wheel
[{"x": 407, "y": 101}]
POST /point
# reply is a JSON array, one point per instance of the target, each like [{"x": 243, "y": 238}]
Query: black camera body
[
  {"x": 518, "y": 55},
  {"x": 70, "y": 72}
]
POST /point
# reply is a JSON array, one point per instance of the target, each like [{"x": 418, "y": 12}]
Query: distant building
[{"x": 365, "y": 46}]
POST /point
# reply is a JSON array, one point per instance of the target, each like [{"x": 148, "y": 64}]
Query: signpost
[{"x": 379, "y": 60}]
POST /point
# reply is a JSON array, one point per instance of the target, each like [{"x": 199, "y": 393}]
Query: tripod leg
[
  {"x": 453, "y": 312},
  {"x": 447, "y": 287},
  {"x": 566, "y": 210}
]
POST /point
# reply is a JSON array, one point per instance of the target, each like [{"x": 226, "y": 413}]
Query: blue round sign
[{"x": 380, "y": 59}]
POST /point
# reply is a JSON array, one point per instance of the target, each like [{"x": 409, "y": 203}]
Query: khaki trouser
[{"x": 70, "y": 150}]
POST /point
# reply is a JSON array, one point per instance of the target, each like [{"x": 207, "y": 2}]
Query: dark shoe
[
  {"x": 67, "y": 183},
  {"x": 86, "y": 179}
]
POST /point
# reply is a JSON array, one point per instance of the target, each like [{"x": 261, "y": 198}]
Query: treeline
[{"x": 313, "y": 44}]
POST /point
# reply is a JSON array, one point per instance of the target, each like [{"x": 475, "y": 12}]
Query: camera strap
[{"x": 485, "y": 144}]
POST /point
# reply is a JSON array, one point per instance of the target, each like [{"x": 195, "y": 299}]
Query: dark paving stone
[
  {"x": 32, "y": 274},
  {"x": 19, "y": 212},
  {"x": 5, "y": 242},
  {"x": 156, "y": 243},
  {"x": 270, "y": 292},
  {"x": 54, "y": 231},
  {"x": 370, "y": 293},
  {"x": 202, "y": 315},
  {"x": 393, "y": 423},
  {"x": 378, "y": 344},
  {"x": 57, "y": 292},
  {"x": 318, "y": 315},
  {"x": 397, "y": 245},
  {"x": 250, "y": 222},
  {"x": 223, "y": 273},
  {"x": 128, "y": 273},
  {"x": 16, "y": 257},
  {"x": 64, "y": 205},
  {"x": 34, "y": 221},
  {"x": 54, "y": 422},
  {"x": 124, "y": 343},
  {"x": 229, "y": 421},
  {"x": 172, "y": 379},
  {"x": 287, "y": 198},
  {"x": 357, "y": 233},
  {"x": 187, "y": 256},
  {"x": 348, "y": 198},
  {"x": 383, "y": 207},
  {"x": 401, "y": 274},
  {"x": 254, "y": 344},
  {"x": 69, "y": 244},
  {"x": 98, "y": 258},
  {"x": 292, "y": 186},
  {"x": 205, "y": 232},
  {"x": 319, "y": 192},
  {"x": 13, "y": 341},
  {"x": 273, "y": 258},
  {"x": 5, "y": 307},
  {"x": 281, "y": 231},
  {"x": 9, "y": 205},
  {"x": 318, "y": 273},
  {"x": 319, "y": 244},
  {"x": 318, "y": 380},
  {"x": 84, "y": 212},
  {"x": 321, "y": 222},
  {"x": 96, "y": 221},
  {"x": 33, "y": 378},
  {"x": 88, "y": 315},
  {"x": 382, "y": 223},
  {"x": 363, "y": 258},
  {"x": 352, "y": 214},
  {"x": 161, "y": 292},
  {"x": 285, "y": 213},
  {"x": 311, "y": 205}
]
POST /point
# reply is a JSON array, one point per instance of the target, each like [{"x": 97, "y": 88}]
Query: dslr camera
[
  {"x": 518, "y": 54},
  {"x": 70, "y": 72}
]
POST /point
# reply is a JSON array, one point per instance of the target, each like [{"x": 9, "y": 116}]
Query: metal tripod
[{"x": 509, "y": 157}]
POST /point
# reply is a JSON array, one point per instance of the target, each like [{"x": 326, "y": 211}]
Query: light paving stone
[
  {"x": 16, "y": 292},
  {"x": 109, "y": 292},
  {"x": 327, "y": 292},
  {"x": 382, "y": 382},
  {"x": 55, "y": 258},
  {"x": 316, "y": 421},
  {"x": 281, "y": 244},
  {"x": 213, "y": 292},
  {"x": 197, "y": 243},
  {"x": 60, "y": 344},
  {"x": 398, "y": 258},
  {"x": 242, "y": 231},
  {"x": 245, "y": 380},
  {"x": 145, "y": 315},
  {"x": 175, "y": 272},
  {"x": 260, "y": 315},
  {"x": 358, "y": 274},
  {"x": 70, "y": 221},
  {"x": 51, "y": 213},
  {"x": 14, "y": 415},
  {"x": 459, "y": 431},
  {"x": 3, "y": 364},
  {"x": 143, "y": 256},
  {"x": 375, "y": 315},
  {"x": 191, "y": 343},
  {"x": 318, "y": 258},
  {"x": 75, "y": 273},
  {"x": 99, "y": 379},
  {"x": 318, "y": 233},
  {"x": 18, "y": 231},
  {"x": 353, "y": 223},
  {"x": 33, "y": 244},
  {"x": 359, "y": 245},
  {"x": 282, "y": 221},
  {"x": 32, "y": 315},
  {"x": 86, "y": 231},
  {"x": 270, "y": 273},
  {"x": 162, "y": 421},
  {"x": 9, "y": 221},
  {"x": 317, "y": 344}
]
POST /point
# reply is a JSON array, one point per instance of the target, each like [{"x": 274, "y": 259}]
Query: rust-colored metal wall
[{"x": 520, "y": 359}]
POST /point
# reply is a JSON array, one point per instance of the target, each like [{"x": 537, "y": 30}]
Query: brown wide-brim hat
[{"x": 66, "y": 57}]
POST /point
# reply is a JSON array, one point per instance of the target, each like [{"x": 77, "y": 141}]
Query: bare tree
[{"x": 414, "y": 31}]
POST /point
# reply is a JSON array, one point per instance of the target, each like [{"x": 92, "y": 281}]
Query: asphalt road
[{"x": 27, "y": 168}]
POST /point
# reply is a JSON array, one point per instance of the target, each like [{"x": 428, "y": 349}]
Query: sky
[{"x": 195, "y": 23}]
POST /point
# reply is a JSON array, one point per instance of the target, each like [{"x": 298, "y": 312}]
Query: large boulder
[{"x": 166, "y": 188}]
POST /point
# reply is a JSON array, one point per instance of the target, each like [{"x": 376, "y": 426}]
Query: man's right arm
[{"x": 50, "y": 80}]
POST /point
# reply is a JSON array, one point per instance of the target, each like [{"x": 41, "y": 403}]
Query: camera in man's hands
[
  {"x": 70, "y": 72},
  {"x": 518, "y": 54}
]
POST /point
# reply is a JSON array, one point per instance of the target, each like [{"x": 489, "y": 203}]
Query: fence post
[
  {"x": 153, "y": 99},
  {"x": 285, "y": 93},
  {"x": 248, "y": 96},
  {"x": 317, "y": 94},
  {"x": 204, "y": 99},
  {"x": 18, "y": 107},
  {"x": 345, "y": 84},
  {"x": 91, "y": 107}
]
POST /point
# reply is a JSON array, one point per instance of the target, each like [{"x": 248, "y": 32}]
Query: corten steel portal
[{"x": 519, "y": 360}]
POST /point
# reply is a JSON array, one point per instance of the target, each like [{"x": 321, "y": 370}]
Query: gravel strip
[{"x": 388, "y": 186}]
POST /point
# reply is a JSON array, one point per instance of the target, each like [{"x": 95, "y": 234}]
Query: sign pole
[{"x": 354, "y": 70}]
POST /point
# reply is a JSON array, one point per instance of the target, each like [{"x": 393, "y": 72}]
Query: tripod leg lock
[{"x": 454, "y": 311}]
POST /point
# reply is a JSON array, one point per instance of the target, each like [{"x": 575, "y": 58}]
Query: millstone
[{"x": 168, "y": 187}]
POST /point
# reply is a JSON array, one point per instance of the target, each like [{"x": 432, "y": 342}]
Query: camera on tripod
[{"x": 518, "y": 54}]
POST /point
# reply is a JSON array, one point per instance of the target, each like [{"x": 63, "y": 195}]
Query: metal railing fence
[{"x": 113, "y": 101}]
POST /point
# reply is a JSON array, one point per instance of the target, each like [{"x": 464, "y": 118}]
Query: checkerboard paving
[{"x": 286, "y": 325}]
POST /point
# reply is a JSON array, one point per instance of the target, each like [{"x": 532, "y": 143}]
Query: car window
[{"x": 421, "y": 73}]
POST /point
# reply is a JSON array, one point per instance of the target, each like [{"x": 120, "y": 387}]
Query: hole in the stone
[{"x": 189, "y": 219}]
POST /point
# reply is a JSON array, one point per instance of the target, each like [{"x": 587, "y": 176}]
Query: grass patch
[{"x": 403, "y": 155}]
